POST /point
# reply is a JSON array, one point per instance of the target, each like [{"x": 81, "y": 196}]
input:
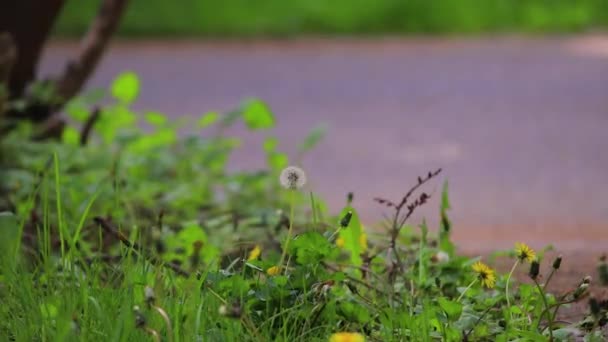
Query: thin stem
[
  {"x": 58, "y": 199},
  {"x": 549, "y": 277},
  {"x": 313, "y": 206},
  {"x": 290, "y": 231},
  {"x": 507, "y": 287},
  {"x": 251, "y": 326},
  {"x": 467, "y": 289},
  {"x": 217, "y": 296},
  {"x": 550, "y": 319},
  {"x": 152, "y": 333},
  {"x": 167, "y": 320}
]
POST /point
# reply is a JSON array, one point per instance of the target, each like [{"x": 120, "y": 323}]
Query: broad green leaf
[
  {"x": 9, "y": 230},
  {"x": 70, "y": 136},
  {"x": 445, "y": 242},
  {"x": 156, "y": 118},
  {"x": 208, "y": 119},
  {"x": 445, "y": 201},
  {"x": 278, "y": 161},
  {"x": 229, "y": 118},
  {"x": 352, "y": 235},
  {"x": 112, "y": 119},
  {"x": 77, "y": 110},
  {"x": 270, "y": 144},
  {"x": 310, "y": 248},
  {"x": 48, "y": 310},
  {"x": 125, "y": 87},
  {"x": 354, "y": 312},
  {"x": 257, "y": 115},
  {"x": 452, "y": 308},
  {"x": 192, "y": 232},
  {"x": 313, "y": 138}
]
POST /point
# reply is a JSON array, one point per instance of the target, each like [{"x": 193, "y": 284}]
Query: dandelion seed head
[{"x": 292, "y": 177}]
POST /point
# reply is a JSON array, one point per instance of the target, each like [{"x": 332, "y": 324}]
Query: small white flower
[
  {"x": 442, "y": 257},
  {"x": 149, "y": 294},
  {"x": 292, "y": 178},
  {"x": 223, "y": 310}
]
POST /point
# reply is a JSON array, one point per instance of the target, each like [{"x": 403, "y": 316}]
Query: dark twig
[
  {"x": 465, "y": 337},
  {"x": 399, "y": 218},
  {"x": 88, "y": 126},
  {"x": 92, "y": 47},
  {"x": 8, "y": 56},
  {"x": 109, "y": 228}
]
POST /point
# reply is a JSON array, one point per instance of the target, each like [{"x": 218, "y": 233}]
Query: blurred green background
[{"x": 352, "y": 17}]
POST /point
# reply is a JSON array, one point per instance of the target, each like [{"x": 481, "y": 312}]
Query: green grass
[
  {"x": 343, "y": 17},
  {"x": 144, "y": 234}
]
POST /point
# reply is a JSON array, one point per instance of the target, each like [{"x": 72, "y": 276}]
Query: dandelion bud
[
  {"x": 345, "y": 221},
  {"x": 534, "y": 269},
  {"x": 587, "y": 280},
  {"x": 232, "y": 311},
  {"x": 195, "y": 257},
  {"x": 74, "y": 325},
  {"x": 292, "y": 178},
  {"x": 602, "y": 270},
  {"x": 557, "y": 262},
  {"x": 349, "y": 197},
  {"x": 580, "y": 291},
  {"x": 140, "y": 320},
  {"x": 594, "y": 306},
  {"x": 149, "y": 295}
]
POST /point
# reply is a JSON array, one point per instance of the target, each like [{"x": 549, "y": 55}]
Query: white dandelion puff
[{"x": 292, "y": 178}]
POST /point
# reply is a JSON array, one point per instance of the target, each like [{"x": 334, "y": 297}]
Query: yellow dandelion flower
[
  {"x": 255, "y": 253},
  {"x": 363, "y": 241},
  {"x": 485, "y": 273},
  {"x": 524, "y": 252},
  {"x": 347, "y": 337},
  {"x": 274, "y": 270},
  {"x": 340, "y": 242}
]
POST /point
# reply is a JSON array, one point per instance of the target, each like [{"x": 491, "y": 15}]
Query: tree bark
[
  {"x": 93, "y": 44},
  {"x": 29, "y": 22}
]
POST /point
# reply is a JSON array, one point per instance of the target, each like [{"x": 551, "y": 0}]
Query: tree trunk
[{"x": 29, "y": 22}]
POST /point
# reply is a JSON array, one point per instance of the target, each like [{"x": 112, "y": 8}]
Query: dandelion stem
[
  {"x": 152, "y": 333},
  {"x": 249, "y": 325},
  {"x": 549, "y": 277},
  {"x": 167, "y": 320},
  {"x": 290, "y": 231},
  {"x": 550, "y": 318},
  {"x": 467, "y": 289},
  {"x": 507, "y": 287}
]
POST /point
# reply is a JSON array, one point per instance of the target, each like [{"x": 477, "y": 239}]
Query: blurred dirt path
[{"x": 518, "y": 125}]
